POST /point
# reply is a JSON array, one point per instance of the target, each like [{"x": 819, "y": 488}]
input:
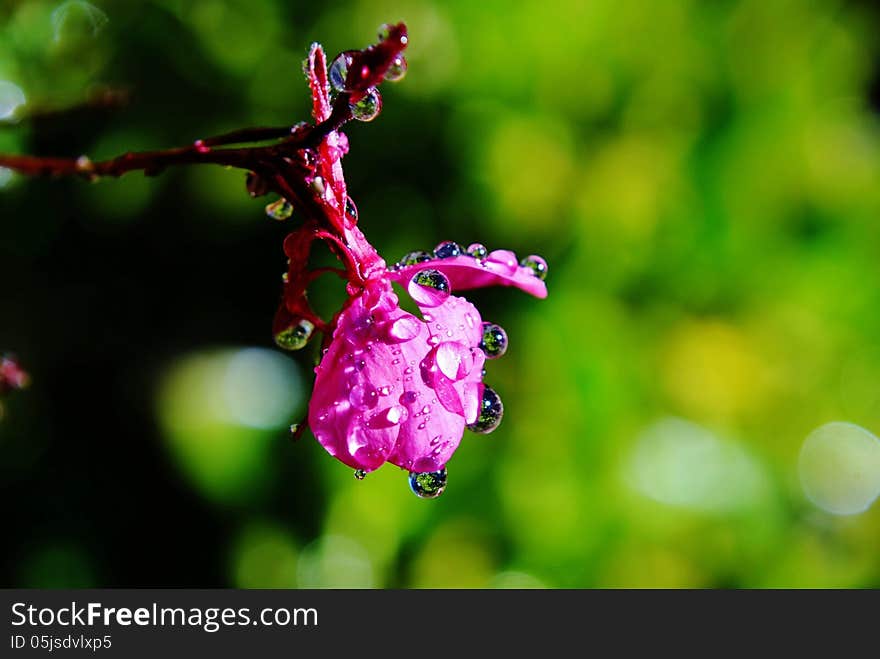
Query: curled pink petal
[{"x": 499, "y": 268}]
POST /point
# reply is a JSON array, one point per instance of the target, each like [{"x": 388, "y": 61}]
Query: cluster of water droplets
[
  {"x": 451, "y": 249},
  {"x": 368, "y": 106}
]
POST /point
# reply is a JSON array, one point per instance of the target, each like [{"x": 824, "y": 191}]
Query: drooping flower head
[{"x": 392, "y": 386}]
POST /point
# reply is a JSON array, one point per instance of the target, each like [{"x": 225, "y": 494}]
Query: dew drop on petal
[
  {"x": 490, "y": 414},
  {"x": 477, "y": 250},
  {"x": 429, "y": 288},
  {"x": 368, "y": 107},
  {"x": 454, "y": 360},
  {"x": 428, "y": 484},
  {"x": 536, "y": 264},
  {"x": 296, "y": 336},
  {"x": 448, "y": 249},
  {"x": 363, "y": 396},
  {"x": 494, "y": 341},
  {"x": 360, "y": 474},
  {"x": 387, "y": 418},
  {"x": 404, "y": 328},
  {"x": 504, "y": 258},
  {"x": 412, "y": 258}
]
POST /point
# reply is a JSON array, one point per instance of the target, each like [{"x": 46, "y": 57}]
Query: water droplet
[
  {"x": 285, "y": 277},
  {"x": 338, "y": 71},
  {"x": 385, "y": 390},
  {"x": 360, "y": 474},
  {"x": 363, "y": 396},
  {"x": 448, "y": 249},
  {"x": 536, "y": 264},
  {"x": 429, "y": 288},
  {"x": 494, "y": 341},
  {"x": 317, "y": 186},
  {"x": 436, "y": 440},
  {"x": 503, "y": 259},
  {"x": 404, "y": 328},
  {"x": 397, "y": 70},
  {"x": 414, "y": 257},
  {"x": 478, "y": 251},
  {"x": 428, "y": 484},
  {"x": 279, "y": 210},
  {"x": 296, "y": 336},
  {"x": 384, "y": 31},
  {"x": 426, "y": 409},
  {"x": 350, "y": 209},
  {"x": 294, "y": 428},
  {"x": 368, "y": 107},
  {"x": 421, "y": 426},
  {"x": 491, "y": 412}
]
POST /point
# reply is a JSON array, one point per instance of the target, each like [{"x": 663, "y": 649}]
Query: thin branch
[{"x": 200, "y": 152}]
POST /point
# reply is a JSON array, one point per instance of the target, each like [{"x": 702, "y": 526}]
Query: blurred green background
[{"x": 701, "y": 176}]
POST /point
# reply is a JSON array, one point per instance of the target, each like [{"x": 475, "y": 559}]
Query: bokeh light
[
  {"x": 839, "y": 468},
  {"x": 218, "y": 411},
  {"x": 682, "y": 464},
  {"x": 11, "y": 98}
]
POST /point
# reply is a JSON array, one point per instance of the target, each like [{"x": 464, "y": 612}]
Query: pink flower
[
  {"x": 391, "y": 386},
  {"x": 396, "y": 388}
]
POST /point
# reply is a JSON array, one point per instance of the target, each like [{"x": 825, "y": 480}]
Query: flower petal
[
  {"x": 354, "y": 413},
  {"x": 395, "y": 387},
  {"x": 446, "y": 396},
  {"x": 499, "y": 268}
]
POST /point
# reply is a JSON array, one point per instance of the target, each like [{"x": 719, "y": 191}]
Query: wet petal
[
  {"x": 439, "y": 406},
  {"x": 353, "y": 412},
  {"x": 395, "y": 387},
  {"x": 499, "y": 268}
]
